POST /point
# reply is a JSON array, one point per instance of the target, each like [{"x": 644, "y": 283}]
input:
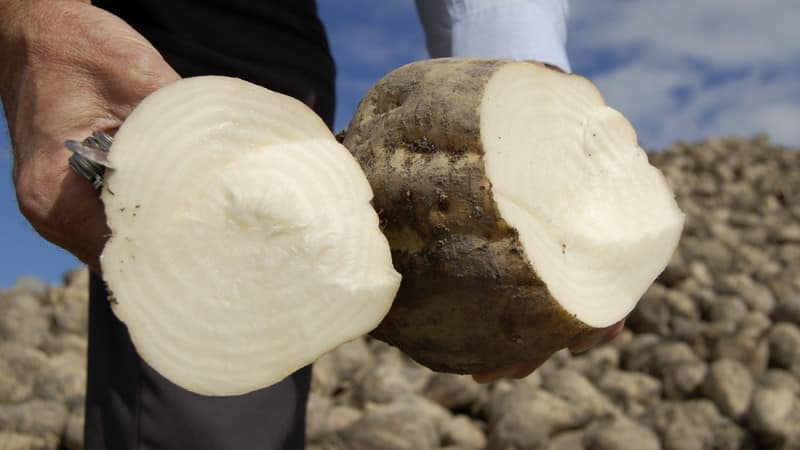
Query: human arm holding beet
[
  {"x": 68, "y": 68},
  {"x": 75, "y": 68}
]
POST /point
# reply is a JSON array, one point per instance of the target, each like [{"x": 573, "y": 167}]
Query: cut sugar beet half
[
  {"x": 519, "y": 207},
  {"x": 243, "y": 245}
]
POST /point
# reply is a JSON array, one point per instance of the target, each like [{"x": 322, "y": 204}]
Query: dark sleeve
[{"x": 278, "y": 44}]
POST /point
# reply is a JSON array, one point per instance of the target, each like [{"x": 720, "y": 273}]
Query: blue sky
[{"x": 680, "y": 69}]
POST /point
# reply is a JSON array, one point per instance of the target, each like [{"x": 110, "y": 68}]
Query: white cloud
[
  {"x": 716, "y": 31},
  {"x": 686, "y": 69}
]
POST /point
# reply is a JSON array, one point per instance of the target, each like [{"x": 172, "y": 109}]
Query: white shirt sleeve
[{"x": 518, "y": 29}]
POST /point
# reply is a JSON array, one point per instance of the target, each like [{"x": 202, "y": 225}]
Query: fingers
[
  {"x": 522, "y": 370},
  {"x": 597, "y": 337},
  {"x": 515, "y": 371},
  {"x": 525, "y": 369},
  {"x": 488, "y": 377},
  {"x": 89, "y": 230},
  {"x": 63, "y": 208},
  {"x": 613, "y": 332},
  {"x": 88, "y": 70},
  {"x": 548, "y": 65}
]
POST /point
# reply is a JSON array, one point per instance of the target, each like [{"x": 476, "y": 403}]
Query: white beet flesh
[
  {"x": 597, "y": 221},
  {"x": 243, "y": 242}
]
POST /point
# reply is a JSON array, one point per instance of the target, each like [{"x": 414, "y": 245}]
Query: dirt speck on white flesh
[{"x": 244, "y": 245}]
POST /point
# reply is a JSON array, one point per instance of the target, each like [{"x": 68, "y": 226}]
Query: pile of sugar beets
[{"x": 519, "y": 211}]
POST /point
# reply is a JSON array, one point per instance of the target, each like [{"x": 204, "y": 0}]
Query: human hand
[
  {"x": 583, "y": 343},
  {"x": 69, "y": 68}
]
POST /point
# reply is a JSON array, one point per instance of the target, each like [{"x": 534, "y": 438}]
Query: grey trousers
[{"x": 130, "y": 406}]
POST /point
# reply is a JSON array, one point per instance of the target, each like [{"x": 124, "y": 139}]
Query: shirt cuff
[{"x": 517, "y": 29}]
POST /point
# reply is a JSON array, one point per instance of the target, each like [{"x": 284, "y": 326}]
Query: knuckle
[
  {"x": 31, "y": 198},
  {"x": 146, "y": 70},
  {"x": 156, "y": 70},
  {"x": 142, "y": 71},
  {"x": 32, "y": 205},
  {"x": 60, "y": 209}
]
